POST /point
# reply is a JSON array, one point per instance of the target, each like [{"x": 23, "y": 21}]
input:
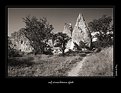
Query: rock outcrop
[
  {"x": 68, "y": 30},
  {"x": 21, "y": 42},
  {"x": 81, "y": 32}
]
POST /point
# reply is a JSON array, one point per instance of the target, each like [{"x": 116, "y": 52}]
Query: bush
[
  {"x": 48, "y": 52},
  {"x": 20, "y": 61},
  {"x": 14, "y": 53}
]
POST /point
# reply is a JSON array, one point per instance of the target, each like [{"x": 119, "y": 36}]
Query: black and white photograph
[{"x": 55, "y": 42}]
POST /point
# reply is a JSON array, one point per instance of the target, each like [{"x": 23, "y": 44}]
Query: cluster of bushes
[{"x": 105, "y": 31}]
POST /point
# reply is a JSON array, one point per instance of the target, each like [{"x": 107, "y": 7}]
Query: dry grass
[
  {"x": 41, "y": 65},
  {"x": 99, "y": 64}
]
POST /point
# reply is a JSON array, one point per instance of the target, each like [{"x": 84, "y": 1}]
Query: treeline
[{"x": 104, "y": 30}]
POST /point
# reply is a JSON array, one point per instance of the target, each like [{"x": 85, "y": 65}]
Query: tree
[
  {"x": 102, "y": 25},
  {"x": 61, "y": 41},
  {"x": 38, "y": 32}
]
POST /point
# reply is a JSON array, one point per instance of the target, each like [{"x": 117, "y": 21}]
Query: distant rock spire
[
  {"x": 80, "y": 17},
  {"x": 68, "y": 29},
  {"x": 81, "y": 32}
]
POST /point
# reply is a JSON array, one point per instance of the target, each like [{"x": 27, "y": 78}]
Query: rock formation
[
  {"x": 81, "y": 32},
  {"x": 21, "y": 42},
  {"x": 68, "y": 30}
]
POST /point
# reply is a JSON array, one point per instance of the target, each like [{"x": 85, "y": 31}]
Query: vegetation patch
[{"x": 42, "y": 65}]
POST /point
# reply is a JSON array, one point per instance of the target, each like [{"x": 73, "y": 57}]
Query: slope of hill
[{"x": 99, "y": 64}]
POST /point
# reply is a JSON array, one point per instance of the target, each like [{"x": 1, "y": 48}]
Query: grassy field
[
  {"x": 95, "y": 64},
  {"x": 41, "y": 65},
  {"x": 99, "y": 64}
]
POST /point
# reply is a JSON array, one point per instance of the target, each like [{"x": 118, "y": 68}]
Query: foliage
[
  {"x": 38, "y": 32},
  {"x": 12, "y": 52},
  {"x": 102, "y": 25},
  {"x": 61, "y": 41},
  {"x": 81, "y": 47}
]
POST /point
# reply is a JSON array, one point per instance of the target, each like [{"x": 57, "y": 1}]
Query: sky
[{"x": 55, "y": 16}]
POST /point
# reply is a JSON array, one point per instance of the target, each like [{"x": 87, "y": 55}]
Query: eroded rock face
[
  {"x": 68, "y": 30},
  {"x": 21, "y": 42},
  {"x": 81, "y": 32}
]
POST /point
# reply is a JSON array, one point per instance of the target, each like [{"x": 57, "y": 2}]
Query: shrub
[
  {"x": 15, "y": 53},
  {"x": 104, "y": 29},
  {"x": 20, "y": 61}
]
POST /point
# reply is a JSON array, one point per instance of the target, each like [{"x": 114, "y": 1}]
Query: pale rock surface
[
  {"x": 21, "y": 42},
  {"x": 68, "y": 30},
  {"x": 81, "y": 32}
]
